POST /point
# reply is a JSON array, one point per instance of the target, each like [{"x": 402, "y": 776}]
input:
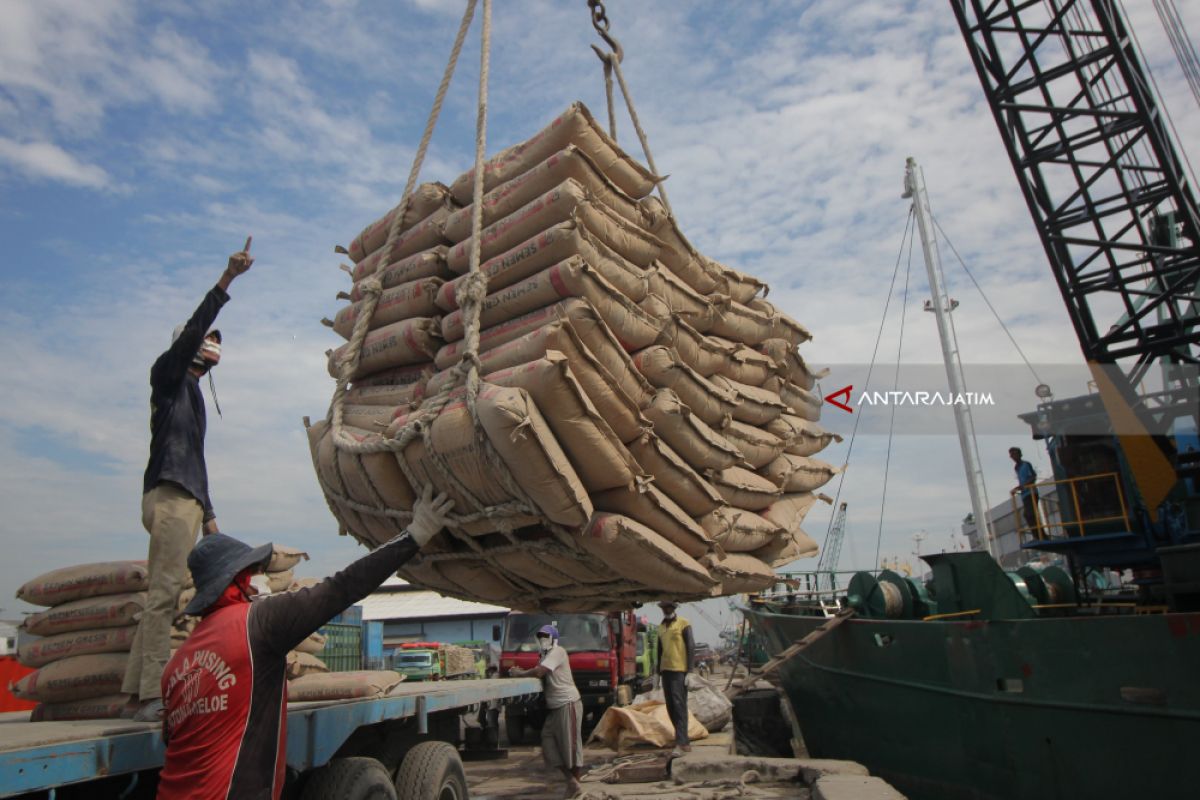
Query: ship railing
[
  {"x": 1067, "y": 508},
  {"x": 816, "y": 588}
]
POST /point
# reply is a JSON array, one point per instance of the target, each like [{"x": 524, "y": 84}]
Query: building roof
[{"x": 413, "y": 603}]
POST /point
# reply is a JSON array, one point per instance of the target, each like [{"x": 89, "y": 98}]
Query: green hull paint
[{"x": 1106, "y": 707}]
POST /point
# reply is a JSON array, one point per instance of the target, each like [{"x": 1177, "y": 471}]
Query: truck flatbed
[{"x": 36, "y": 756}]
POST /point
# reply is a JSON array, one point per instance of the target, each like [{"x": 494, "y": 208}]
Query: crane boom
[{"x": 832, "y": 549}]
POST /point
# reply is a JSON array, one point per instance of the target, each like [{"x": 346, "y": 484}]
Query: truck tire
[
  {"x": 350, "y": 779},
  {"x": 514, "y": 726},
  {"x": 431, "y": 771}
]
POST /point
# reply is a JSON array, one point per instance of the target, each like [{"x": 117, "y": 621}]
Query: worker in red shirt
[{"x": 225, "y": 689}]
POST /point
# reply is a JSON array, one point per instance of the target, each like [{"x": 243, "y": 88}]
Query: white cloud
[{"x": 48, "y": 161}]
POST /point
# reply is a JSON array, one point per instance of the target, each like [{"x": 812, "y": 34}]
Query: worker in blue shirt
[{"x": 1026, "y": 478}]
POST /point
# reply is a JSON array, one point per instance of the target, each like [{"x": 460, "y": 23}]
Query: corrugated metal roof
[{"x": 422, "y": 604}]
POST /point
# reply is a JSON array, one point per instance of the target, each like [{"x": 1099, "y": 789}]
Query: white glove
[{"x": 429, "y": 515}]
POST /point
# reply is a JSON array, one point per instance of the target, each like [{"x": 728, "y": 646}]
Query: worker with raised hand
[
  {"x": 175, "y": 501},
  {"x": 676, "y": 657},
  {"x": 226, "y": 689},
  {"x": 562, "y": 733}
]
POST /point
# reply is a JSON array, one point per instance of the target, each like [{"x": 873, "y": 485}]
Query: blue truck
[{"x": 413, "y": 739}]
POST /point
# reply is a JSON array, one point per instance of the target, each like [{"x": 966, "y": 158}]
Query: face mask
[
  {"x": 545, "y": 643},
  {"x": 208, "y": 355}
]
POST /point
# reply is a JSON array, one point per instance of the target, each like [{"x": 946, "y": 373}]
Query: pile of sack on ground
[{"x": 645, "y": 427}]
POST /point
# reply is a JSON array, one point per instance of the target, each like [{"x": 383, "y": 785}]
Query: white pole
[{"x": 914, "y": 187}]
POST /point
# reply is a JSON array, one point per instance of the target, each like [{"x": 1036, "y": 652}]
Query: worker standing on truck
[
  {"x": 175, "y": 500},
  {"x": 676, "y": 657},
  {"x": 225, "y": 689},
  {"x": 562, "y": 733}
]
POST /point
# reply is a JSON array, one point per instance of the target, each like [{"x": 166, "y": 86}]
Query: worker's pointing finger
[{"x": 246, "y": 249}]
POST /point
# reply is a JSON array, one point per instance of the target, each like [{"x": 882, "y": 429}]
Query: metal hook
[{"x": 601, "y": 23}]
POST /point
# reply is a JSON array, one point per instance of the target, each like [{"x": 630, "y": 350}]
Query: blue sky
[{"x": 141, "y": 142}]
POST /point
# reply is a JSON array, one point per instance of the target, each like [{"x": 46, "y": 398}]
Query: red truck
[{"x": 603, "y": 653}]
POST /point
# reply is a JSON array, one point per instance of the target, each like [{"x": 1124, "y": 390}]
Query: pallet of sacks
[
  {"x": 85, "y": 633},
  {"x": 646, "y": 426}
]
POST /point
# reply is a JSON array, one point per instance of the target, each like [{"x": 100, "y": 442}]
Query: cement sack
[
  {"x": 567, "y": 201},
  {"x": 387, "y": 397},
  {"x": 404, "y": 343},
  {"x": 799, "y": 473},
  {"x": 104, "y": 611},
  {"x": 598, "y": 456},
  {"x": 313, "y": 645},
  {"x": 546, "y": 249},
  {"x": 285, "y": 558},
  {"x": 702, "y": 353},
  {"x": 792, "y": 545},
  {"x": 342, "y": 685},
  {"x": 458, "y": 660},
  {"x": 663, "y": 368},
  {"x": 110, "y": 706},
  {"x": 802, "y": 438},
  {"x": 673, "y": 476},
  {"x": 801, "y": 402},
  {"x": 646, "y": 723},
  {"x": 575, "y": 126},
  {"x": 789, "y": 511},
  {"x": 754, "y": 406},
  {"x": 368, "y": 418},
  {"x": 782, "y": 326},
  {"x": 568, "y": 163},
  {"x": 479, "y": 581},
  {"x": 424, "y": 200},
  {"x": 279, "y": 581},
  {"x": 789, "y": 364},
  {"x": 633, "y": 327},
  {"x": 74, "y": 678},
  {"x": 741, "y": 287},
  {"x": 301, "y": 664},
  {"x": 530, "y": 564},
  {"x": 39, "y": 652},
  {"x": 740, "y": 323},
  {"x": 425, "y": 235},
  {"x": 738, "y": 530},
  {"x": 412, "y": 375},
  {"x": 412, "y": 299},
  {"x": 745, "y": 365},
  {"x": 743, "y": 488},
  {"x": 638, "y": 553},
  {"x": 86, "y": 580},
  {"x": 680, "y": 298},
  {"x": 678, "y": 255},
  {"x": 609, "y": 395},
  {"x": 303, "y": 583},
  {"x": 655, "y": 306},
  {"x": 758, "y": 447},
  {"x": 185, "y": 597},
  {"x": 739, "y": 572},
  {"x": 522, "y": 440},
  {"x": 429, "y": 263},
  {"x": 688, "y": 435},
  {"x": 658, "y": 512}
]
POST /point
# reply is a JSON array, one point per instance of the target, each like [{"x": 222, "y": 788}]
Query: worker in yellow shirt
[{"x": 676, "y": 656}]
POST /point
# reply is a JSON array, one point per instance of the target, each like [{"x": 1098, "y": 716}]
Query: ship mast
[{"x": 942, "y": 306}]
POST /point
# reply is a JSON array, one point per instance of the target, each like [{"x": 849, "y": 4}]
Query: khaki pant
[
  {"x": 562, "y": 736},
  {"x": 172, "y": 517}
]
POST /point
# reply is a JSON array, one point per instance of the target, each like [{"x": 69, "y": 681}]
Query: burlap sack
[
  {"x": 744, "y": 489},
  {"x": 390, "y": 397},
  {"x": 425, "y": 235},
  {"x": 301, "y": 664},
  {"x": 739, "y": 572},
  {"x": 568, "y": 163},
  {"x": 104, "y": 611},
  {"x": 567, "y": 201},
  {"x": 481, "y": 581},
  {"x": 792, "y": 545},
  {"x": 425, "y": 199},
  {"x": 638, "y": 553},
  {"x": 738, "y": 530},
  {"x": 789, "y": 364},
  {"x": 313, "y": 645},
  {"x": 753, "y": 406},
  {"x": 673, "y": 476},
  {"x": 429, "y": 263},
  {"x": 411, "y": 375},
  {"x": 547, "y": 248},
  {"x": 410, "y": 341},
  {"x": 342, "y": 685},
  {"x": 798, "y": 473},
  {"x": 658, "y": 512},
  {"x": 702, "y": 353},
  {"x": 575, "y": 126},
  {"x": 782, "y": 326},
  {"x": 789, "y": 511},
  {"x": 802, "y": 438},
  {"x": 368, "y": 418},
  {"x": 279, "y": 581},
  {"x": 680, "y": 298},
  {"x": 525, "y": 445},
  {"x": 741, "y": 287},
  {"x": 746, "y": 365},
  {"x": 655, "y": 306},
  {"x": 801, "y": 402},
  {"x": 740, "y": 323},
  {"x": 86, "y": 580},
  {"x": 110, "y": 706},
  {"x": 663, "y": 368},
  {"x": 73, "y": 678},
  {"x": 646, "y": 723},
  {"x": 677, "y": 254},
  {"x": 284, "y": 558},
  {"x": 758, "y": 447},
  {"x": 531, "y": 564},
  {"x": 40, "y": 652},
  {"x": 688, "y": 435},
  {"x": 412, "y": 299}
]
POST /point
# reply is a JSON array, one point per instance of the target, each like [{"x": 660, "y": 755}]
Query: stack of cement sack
[
  {"x": 646, "y": 426},
  {"x": 86, "y": 633},
  {"x": 343, "y": 685}
]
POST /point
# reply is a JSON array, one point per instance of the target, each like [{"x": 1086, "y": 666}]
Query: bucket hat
[
  {"x": 215, "y": 561},
  {"x": 548, "y": 630}
]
